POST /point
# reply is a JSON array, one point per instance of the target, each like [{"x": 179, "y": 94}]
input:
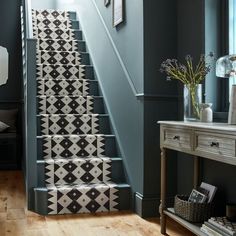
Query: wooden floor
[{"x": 15, "y": 220}]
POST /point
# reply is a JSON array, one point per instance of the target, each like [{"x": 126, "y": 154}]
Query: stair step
[
  {"x": 64, "y": 58},
  {"x": 74, "y": 146},
  {"x": 55, "y": 23},
  {"x": 77, "y": 171},
  {"x": 84, "y": 198},
  {"x": 53, "y": 14},
  {"x": 114, "y": 173},
  {"x": 73, "y": 124},
  {"x": 49, "y": 71},
  {"x": 67, "y": 87},
  {"x": 57, "y": 33},
  {"x": 70, "y": 105},
  {"x": 61, "y": 45}
]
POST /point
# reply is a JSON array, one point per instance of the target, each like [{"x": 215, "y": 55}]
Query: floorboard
[{"x": 15, "y": 220}]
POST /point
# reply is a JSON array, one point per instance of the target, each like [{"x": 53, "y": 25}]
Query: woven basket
[{"x": 192, "y": 212}]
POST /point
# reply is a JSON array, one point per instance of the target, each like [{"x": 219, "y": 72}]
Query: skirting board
[
  {"x": 146, "y": 206},
  {"x": 149, "y": 206}
]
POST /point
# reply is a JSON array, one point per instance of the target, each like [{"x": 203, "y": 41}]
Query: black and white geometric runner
[
  {"x": 63, "y": 87},
  {"x": 60, "y": 71},
  {"x": 56, "y": 57},
  {"x": 57, "y": 45},
  {"x": 50, "y": 14},
  {"x": 84, "y": 198},
  {"x": 78, "y": 171},
  {"x": 54, "y": 33},
  {"x": 65, "y": 105},
  {"x": 69, "y": 124},
  {"x": 52, "y": 23},
  {"x": 73, "y": 146},
  {"x": 78, "y": 174}
]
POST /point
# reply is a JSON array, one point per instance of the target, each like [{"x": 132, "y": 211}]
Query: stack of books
[{"x": 219, "y": 226}]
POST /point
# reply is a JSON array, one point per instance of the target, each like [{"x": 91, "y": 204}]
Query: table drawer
[
  {"x": 215, "y": 144},
  {"x": 177, "y": 138}
]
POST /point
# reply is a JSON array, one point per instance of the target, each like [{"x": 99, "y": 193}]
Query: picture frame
[
  {"x": 117, "y": 12},
  {"x": 107, "y": 2}
]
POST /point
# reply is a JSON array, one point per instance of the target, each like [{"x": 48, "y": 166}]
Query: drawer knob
[
  {"x": 215, "y": 144},
  {"x": 176, "y": 137}
]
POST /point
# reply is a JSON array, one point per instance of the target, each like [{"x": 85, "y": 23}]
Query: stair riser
[
  {"x": 67, "y": 87},
  {"x": 102, "y": 128},
  {"x": 64, "y": 72},
  {"x": 61, "y": 45},
  {"x": 99, "y": 148},
  {"x": 54, "y": 23},
  {"x": 96, "y": 107},
  {"x": 66, "y": 34},
  {"x": 117, "y": 172},
  {"x": 42, "y": 197},
  {"x": 61, "y": 15},
  {"x": 62, "y": 58}
]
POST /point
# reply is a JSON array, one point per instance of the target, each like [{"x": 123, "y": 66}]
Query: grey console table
[{"x": 215, "y": 141}]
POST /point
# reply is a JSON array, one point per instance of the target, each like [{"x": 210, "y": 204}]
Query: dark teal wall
[
  {"x": 10, "y": 37},
  {"x": 160, "y": 42},
  {"x": 127, "y": 39},
  {"x": 160, "y": 97}
]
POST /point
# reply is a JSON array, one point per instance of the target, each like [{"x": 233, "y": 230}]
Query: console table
[{"x": 215, "y": 141}]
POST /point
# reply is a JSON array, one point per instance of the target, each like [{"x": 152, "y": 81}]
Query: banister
[{"x": 30, "y": 101}]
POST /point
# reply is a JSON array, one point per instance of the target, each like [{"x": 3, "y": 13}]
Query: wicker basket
[{"x": 192, "y": 212}]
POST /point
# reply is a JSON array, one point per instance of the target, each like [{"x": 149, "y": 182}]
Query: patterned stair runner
[{"x": 77, "y": 172}]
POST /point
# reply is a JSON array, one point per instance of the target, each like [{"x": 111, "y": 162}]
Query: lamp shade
[{"x": 226, "y": 66}]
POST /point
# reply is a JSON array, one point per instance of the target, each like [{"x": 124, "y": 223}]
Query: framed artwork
[
  {"x": 107, "y": 2},
  {"x": 117, "y": 12}
]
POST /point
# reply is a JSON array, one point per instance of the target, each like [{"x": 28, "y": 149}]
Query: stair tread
[
  {"x": 77, "y": 135},
  {"x": 63, "y": 52},
  {"x": 50, "y": 115},
  {"x": 79, "y": 159},
  {"x": 85, "y": 185},
  {"x": 75, "y": 96},
  {"x": 63, "y": 29},
  {"x": 67, "y": 40},
  {"x": 87, "y": 80}
]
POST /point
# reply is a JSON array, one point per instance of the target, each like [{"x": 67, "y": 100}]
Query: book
[
  {"x": 213, "y": 227},
  {"x": 209, "y": 232},
  {"x": 224, "y": 224},
  {"x": 197, "y": 197},
  {"x": 211, "y": 190}
]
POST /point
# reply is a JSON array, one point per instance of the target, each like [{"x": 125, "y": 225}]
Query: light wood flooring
[{"x": 15, "y": 220}]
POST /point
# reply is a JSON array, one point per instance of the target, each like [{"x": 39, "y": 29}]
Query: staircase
[{"x": 78, "y": 167}]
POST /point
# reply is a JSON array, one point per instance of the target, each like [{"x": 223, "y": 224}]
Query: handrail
[{"x": 30, "y": 101}]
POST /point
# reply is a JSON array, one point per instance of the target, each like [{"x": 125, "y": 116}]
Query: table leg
[
  {"x": 196, "y": 172},
  {"x": 163, "y": 191}
]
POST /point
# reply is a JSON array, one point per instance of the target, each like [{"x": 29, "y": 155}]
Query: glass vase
[{"x": 192, "y": 101}]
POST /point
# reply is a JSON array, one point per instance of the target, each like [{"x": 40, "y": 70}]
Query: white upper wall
[{"x": 44, "y": 4}]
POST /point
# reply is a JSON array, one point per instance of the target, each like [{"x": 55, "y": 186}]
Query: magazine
[
  {"x": 211, "y": 190},
  {"x": 223, "y": 224},
  {"x": 213, "y": 227},
  {"x": 197, "y": 197}
]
